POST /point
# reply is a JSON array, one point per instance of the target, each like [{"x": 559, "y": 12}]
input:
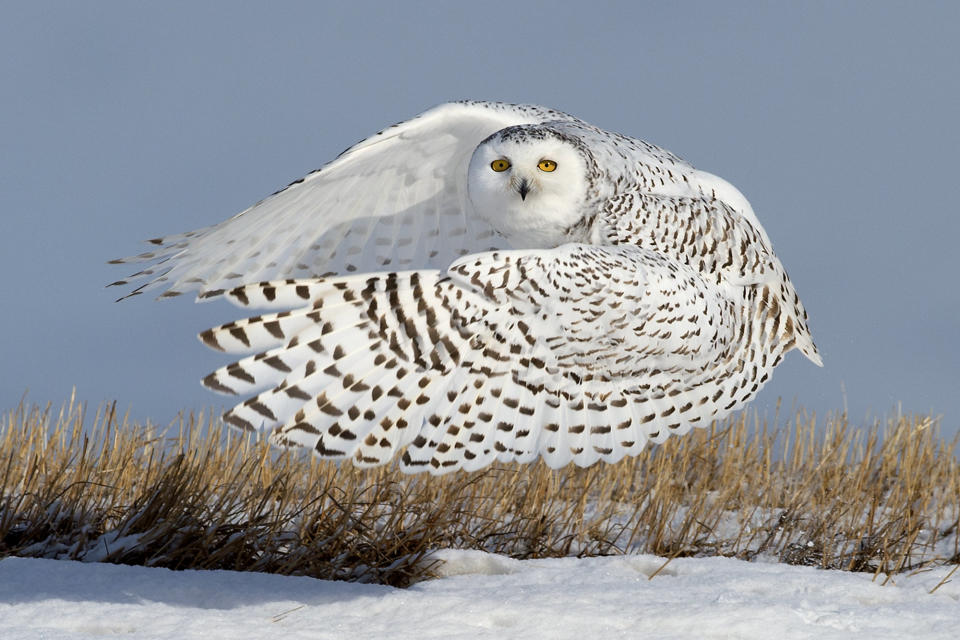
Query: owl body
[{"x": 491, "y": 282}]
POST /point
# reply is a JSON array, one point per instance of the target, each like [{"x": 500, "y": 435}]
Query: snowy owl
[{"x": 490, "y": 281}]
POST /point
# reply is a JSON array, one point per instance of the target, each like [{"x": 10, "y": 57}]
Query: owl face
[{"x": 529, "y": 183}]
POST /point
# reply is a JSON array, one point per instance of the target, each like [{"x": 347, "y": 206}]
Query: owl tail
[
  {"x": 798, "y": 323},
  {"x": 781, "y": 305},
  {"x": 810, "y": 350}
]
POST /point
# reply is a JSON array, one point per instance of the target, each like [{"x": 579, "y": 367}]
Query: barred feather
[
  {"x": 643, "y": 298},
  {"x": 444, "y": 366}
]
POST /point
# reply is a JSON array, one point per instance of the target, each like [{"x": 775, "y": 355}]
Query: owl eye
[
  {"x": 547, "y": 165},
  {"x": 500, "y": 165}
]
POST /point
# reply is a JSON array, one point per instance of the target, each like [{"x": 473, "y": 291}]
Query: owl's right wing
[
  {"x": 396, "y": 200},
  {"x": 575, "y": 354}
]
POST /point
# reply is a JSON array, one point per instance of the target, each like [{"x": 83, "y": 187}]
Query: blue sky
[{"x": 124, "y": 121}]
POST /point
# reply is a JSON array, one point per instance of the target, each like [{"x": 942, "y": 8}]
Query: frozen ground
[{"x": 480, "y": 596}]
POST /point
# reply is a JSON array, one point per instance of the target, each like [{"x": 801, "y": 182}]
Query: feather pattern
[{"x": 490, "y": 282}]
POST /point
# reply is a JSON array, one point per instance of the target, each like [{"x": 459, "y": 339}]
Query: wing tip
[
  {"x": 212, "y": 382},
  {"x": 209, "y": 338}
]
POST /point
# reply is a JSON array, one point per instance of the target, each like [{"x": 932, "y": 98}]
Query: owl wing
[
  {"x": 717, "y": 234},
  {"x": 395, "y": 200},
  {"x": 578, "y": 353}
]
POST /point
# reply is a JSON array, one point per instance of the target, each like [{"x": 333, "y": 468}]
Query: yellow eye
[
  {"x": 547, "y": 165},
  {"x": 500, "y": 165}
]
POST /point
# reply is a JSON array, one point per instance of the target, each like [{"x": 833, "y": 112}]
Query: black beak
[{"x": 524, "y": 189}]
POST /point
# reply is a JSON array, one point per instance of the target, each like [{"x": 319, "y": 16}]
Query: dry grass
[{"x": 884, "y": 499}]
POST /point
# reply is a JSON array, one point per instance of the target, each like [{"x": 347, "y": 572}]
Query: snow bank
[{"x": 481, "y": 596}]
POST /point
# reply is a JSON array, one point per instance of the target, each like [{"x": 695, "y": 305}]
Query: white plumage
[{"x": 490, "y": 281}]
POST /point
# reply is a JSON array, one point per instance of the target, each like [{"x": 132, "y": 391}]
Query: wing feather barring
[{"x": 488, "y": 282}]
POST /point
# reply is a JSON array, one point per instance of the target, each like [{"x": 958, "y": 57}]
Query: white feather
[{"x": 641, "y": 297}]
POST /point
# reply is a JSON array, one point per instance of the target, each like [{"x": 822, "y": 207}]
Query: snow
[{"x": 479, "y": 595}]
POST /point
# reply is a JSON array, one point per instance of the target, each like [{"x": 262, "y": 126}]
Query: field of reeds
[{"x": 92, "y": 486}]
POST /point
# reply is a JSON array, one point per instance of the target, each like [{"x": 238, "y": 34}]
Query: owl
[{"x": 489, "y": 282}]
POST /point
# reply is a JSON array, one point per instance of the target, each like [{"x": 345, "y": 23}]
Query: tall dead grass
[{"x": 882, "y": 499}]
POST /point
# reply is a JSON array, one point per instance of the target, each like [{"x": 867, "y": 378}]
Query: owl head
[{"x": 530, "y": 183}]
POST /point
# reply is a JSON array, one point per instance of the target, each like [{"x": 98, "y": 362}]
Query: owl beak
[{"x": 523, "y": 188}]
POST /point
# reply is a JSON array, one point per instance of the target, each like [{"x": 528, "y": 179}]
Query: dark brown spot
[
  {"x": 241, "y": 335},
  {"x": 273, "y": 327},
  {"x": 239, "y": 372},
  {"x": 212, "y": 382},
  {"x": 277, "y": 363},
  {"x": 209, "y": 339}
]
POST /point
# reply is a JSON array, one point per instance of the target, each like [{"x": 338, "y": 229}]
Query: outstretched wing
[
  {"x": 396, "y": 200},
  {"x": 578, "y": 353}
]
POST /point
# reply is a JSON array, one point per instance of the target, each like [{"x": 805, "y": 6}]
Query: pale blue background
[{"x": 123, "y": 121}]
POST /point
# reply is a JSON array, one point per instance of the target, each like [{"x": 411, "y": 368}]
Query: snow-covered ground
[{"x": 479, "y": 596}]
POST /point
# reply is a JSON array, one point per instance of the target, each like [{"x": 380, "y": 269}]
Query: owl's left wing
[
  {"x": 578, "y": 353},
  {"x": 714, "y": 232},
  {"x": 396, "y": 200}
]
